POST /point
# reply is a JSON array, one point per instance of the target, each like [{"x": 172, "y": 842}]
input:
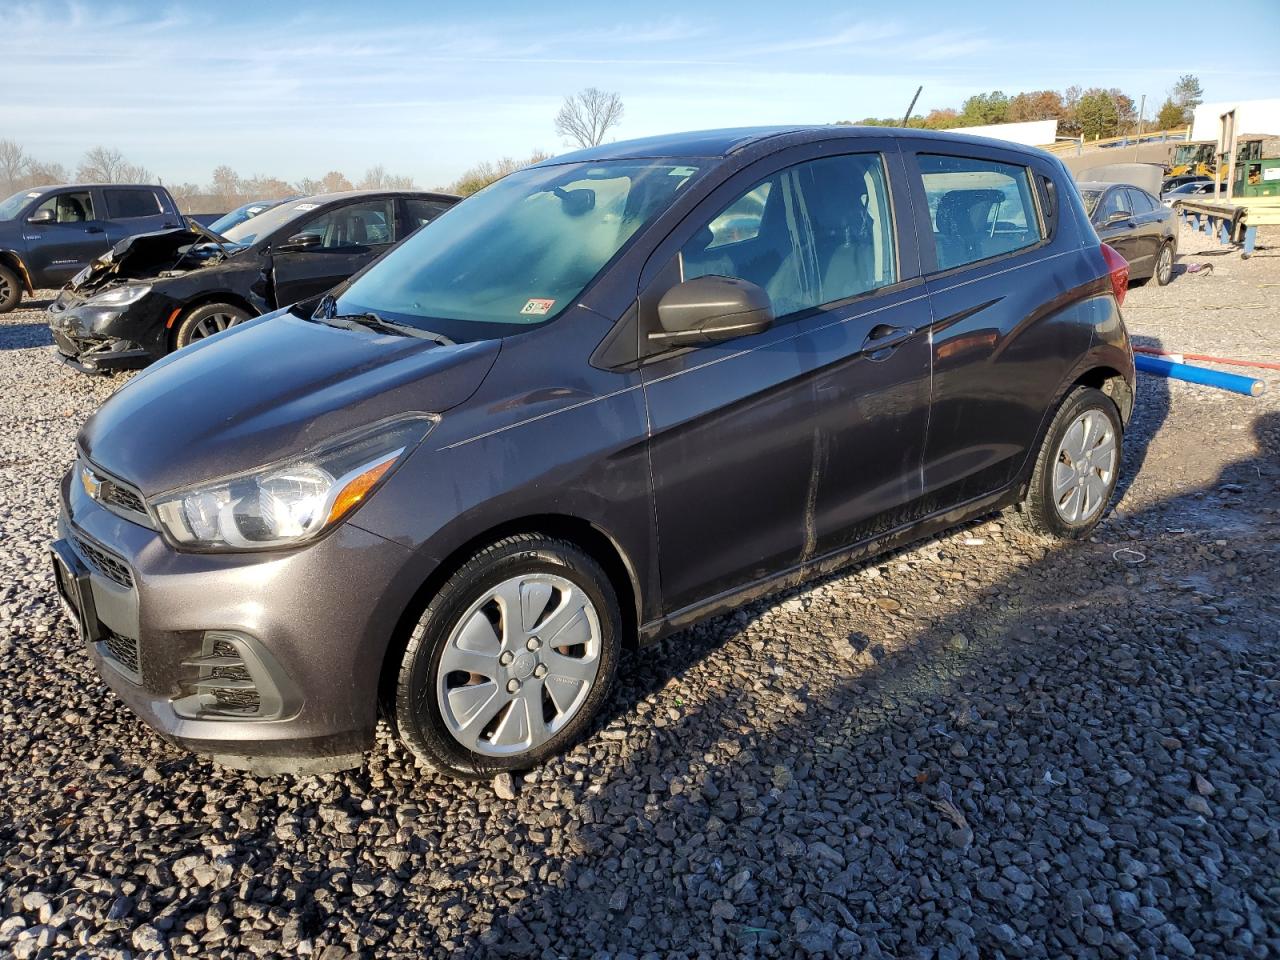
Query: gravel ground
[{"x": 984, "y": 746}]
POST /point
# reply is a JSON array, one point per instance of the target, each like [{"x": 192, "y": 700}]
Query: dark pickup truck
[{"x": 49, "y": 234}]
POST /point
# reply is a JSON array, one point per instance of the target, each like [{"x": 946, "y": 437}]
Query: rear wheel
[
  {"x": 205, "y": 321},
  {"x": 10, "y": 290},
  {"x": 1076, "y": 468},
  {"x": 1164, "y": 265},
  {"x": 511, "y": 659}
]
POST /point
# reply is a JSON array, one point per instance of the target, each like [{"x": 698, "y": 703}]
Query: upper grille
[
  {"x": 122, "y": 649},
  {"x": 105, "y": 562},
  {"x": 123, "y": 497}
]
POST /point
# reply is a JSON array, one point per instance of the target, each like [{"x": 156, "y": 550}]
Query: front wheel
[
  {"x": 1164, "y": 265},
  {"x": 511, "y": 659},
  {"x": 207, "y": 320},
  {"x": 10, "y": 290},
  {"x": 1076, "y": 467}
]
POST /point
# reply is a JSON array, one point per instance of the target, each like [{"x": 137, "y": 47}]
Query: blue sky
[{"x": 295, "y": 90}]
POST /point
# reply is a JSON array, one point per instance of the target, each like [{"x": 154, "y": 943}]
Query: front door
[
  {"x": 351, "y": 236},
  {"x": 58, "y": 250},
  {"x": 758, "y": 445}
]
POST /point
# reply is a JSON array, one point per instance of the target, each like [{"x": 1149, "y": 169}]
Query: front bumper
[
  {"x": 268, "y": 661},
  {"x": 96, "y": 339}
]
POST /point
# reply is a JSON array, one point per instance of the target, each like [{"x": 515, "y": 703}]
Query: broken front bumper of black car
[{"x": 95, "y": 339}]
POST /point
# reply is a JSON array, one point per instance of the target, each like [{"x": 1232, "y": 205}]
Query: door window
[
  {"x": 1114, "y": 202},
  {"x": 70, "y": 207},
  {"x": 809, "y": 235},
  {"x": 423, "y": 211},
  {"x": 978, "y": 208},
  {"x": 363, "y": 224},
  {"x": 129, "y": 204}
]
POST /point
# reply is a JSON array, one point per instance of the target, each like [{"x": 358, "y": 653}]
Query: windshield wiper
[{"x": 372, "y": 321}]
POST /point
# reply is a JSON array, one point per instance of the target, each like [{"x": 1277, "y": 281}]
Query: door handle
[
  {"x": 884, "y": 337},
  {"x": 93, "y": 230}
]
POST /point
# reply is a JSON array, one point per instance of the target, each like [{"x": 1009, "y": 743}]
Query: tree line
[
  {"x": 1093, "y": 113},
  {"x": 225, "y": 191}
]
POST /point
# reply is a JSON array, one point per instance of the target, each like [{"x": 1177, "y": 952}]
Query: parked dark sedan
[
  {"x": 158, "y": 292},
  {"x": 610, "y": 395},
  {"x": 1136, "y": 225}
]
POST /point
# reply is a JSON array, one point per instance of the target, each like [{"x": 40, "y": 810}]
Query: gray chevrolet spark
[{"x": 606, "y": 397}]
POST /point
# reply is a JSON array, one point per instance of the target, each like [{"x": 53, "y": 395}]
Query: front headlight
[
  {"x": 289, "y": 502},
  {"x": 122, "y": 295}
]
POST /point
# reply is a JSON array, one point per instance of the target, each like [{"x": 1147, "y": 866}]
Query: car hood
[
  {"x": 276, "y": 387},
  {"x": 146, "y": 255}
]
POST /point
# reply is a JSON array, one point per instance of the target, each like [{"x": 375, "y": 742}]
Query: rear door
[
  {"x": 1149, "y": 228},
  {"x": 351, "y": 235},
  {"x": 57, "y": 251},
  {"x": 134, "y": 210},
  {"x": 1003, "y": 272}
]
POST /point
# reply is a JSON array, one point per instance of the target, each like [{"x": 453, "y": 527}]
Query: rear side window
[
  {"x": 809, "y": 235},
  {"x": 126, "y": 204},
  {"x": 1139, "y": 201},
  {"x": 978, "y": 208},
  {"x": 423, "y": 211}
]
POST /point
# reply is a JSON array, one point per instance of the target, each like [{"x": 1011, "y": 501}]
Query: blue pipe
[{"x": 1202, "y": 375}]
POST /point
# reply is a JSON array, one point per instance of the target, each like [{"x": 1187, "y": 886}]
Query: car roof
[
  {"x": 356, "y": 194},
  {"x": 90, "y": 186},
  {"x": 1104, "y": 185},
  {"x": 726, "y": 142}
]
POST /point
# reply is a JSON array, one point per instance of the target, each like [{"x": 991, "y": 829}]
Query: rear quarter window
[
  {"x": 978, "y": 208},
  {"x": 129, "y": 204}
]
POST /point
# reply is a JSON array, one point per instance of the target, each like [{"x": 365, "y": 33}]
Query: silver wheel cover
[
  {"x": 1164, "y": 266},
  {"x": 518, "y": 664},
  {"x": 1084, "y": 468}
]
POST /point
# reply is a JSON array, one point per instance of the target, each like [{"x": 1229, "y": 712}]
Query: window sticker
[
  {"x": 306, "y": 206},
  {"x": 681, "y": 171},
  {"x": 537, "y": 307},
  {"x": 32, "y": 196}
]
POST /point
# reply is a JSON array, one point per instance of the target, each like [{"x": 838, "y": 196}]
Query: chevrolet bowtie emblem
[{"x": 92, "y": 484}]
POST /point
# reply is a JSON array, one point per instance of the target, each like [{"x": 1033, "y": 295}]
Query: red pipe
[{"x": 1208, "y": 359}]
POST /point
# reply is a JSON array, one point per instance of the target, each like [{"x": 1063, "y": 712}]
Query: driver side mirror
[
  {"x": 42, "y": 217},
  {"x": 712, "y": 309},
  {"x": 300, "y": 242}
]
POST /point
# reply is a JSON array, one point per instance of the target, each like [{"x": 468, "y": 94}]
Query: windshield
[
  {"x": 240, "y": 215},
  {"x": 1090, "y": 198},
  {"x": 517, "y": 253},
  {"x": 11, "y": 207},
  {"x": 268, "y": 222}
]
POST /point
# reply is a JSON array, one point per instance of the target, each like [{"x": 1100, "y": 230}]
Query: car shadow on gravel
[
  {"x": 24, "y": 336},
  {"x": 1079, "y": 761}
]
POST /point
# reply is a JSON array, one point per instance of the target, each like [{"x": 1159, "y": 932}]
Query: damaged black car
[{"x": 158, "y": 292}]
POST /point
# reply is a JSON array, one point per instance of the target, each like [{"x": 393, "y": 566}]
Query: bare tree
[
  {"x": 377, "y": 178},
  {"x": 13, "y": 166},
  {"x": 108, "y": 165},
  {"x": 42, "y": 174},
  {"x": 588, "y": 115},
  {"x": 335, "y": 182}
]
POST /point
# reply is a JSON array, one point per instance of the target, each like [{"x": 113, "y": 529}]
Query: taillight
[{"x": 1118, "y": 267}]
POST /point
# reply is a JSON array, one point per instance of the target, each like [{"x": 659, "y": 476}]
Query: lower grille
[
  {"x": 224, "y": 677},
  {"x": 105, "y": 562},
  {"x": 123, "y": 650}
]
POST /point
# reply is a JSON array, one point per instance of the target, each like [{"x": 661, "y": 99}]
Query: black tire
[
  {"x": 1040, "y": 513},
  {"x": 10, "y": 289},
  {"x": 196, "y": 324},
  {"x": 418, "y": 717},
  {"x": 1161, "y": 277}
]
